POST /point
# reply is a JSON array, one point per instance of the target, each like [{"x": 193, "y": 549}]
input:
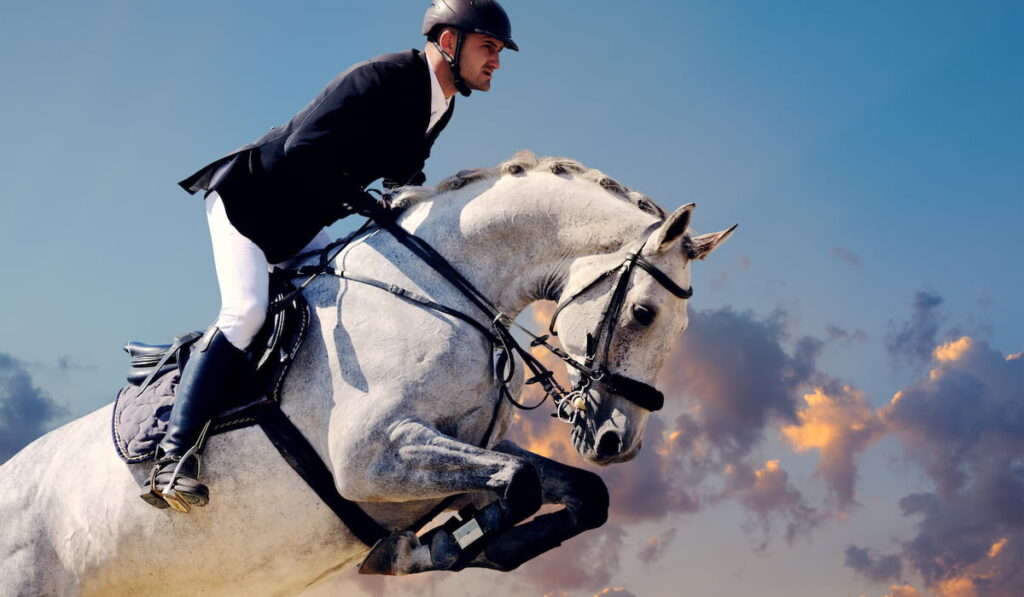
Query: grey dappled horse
[{"x": 395, "y": 398}]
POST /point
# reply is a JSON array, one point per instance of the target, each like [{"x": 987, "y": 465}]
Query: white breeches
[{"x": 243, "y": 275}]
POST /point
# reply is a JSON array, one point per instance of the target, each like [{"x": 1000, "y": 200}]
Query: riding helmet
[{"x": 473, "y": 16}]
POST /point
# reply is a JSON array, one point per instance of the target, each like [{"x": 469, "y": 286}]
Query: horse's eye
[{"x": 643, "y": 314}]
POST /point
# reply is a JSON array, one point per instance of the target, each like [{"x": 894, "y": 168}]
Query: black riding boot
[{"x": 175, "y": 476}]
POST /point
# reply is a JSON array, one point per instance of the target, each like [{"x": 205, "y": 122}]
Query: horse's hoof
[{"x": 397, "y": 554}]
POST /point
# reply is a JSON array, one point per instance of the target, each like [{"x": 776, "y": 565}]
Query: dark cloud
[
  {"x": 964, "y": 424},
  {"x": 735, "y": 368},
  {"x": 655, "y": 547},
  {"x": 834, "y": 333},
  {"x": 845, "y": 255},
  {"x": 912, "y": 341},
  {"x": 25, "y": 410},
  {"x": 877, "y": 569}
]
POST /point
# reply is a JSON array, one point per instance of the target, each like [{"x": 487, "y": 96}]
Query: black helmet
[{"x": 472, "y": 16}]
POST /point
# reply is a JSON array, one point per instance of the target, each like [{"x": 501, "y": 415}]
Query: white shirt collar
[{"x": 438, "y": 102}]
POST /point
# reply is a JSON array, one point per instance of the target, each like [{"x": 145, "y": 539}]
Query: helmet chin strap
[{"x": 453, "y": 62}]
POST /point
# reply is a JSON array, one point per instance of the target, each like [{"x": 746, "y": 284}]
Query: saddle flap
[{"x": 143, "y": 407}]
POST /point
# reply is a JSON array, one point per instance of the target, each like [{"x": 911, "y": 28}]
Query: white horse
[{"x": 395, "y": 399}]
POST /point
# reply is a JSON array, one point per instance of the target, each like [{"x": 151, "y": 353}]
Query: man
[{"x": 271, "y": 199}]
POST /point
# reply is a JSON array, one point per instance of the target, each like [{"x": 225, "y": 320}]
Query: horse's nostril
[{"x": 609, "y": 444}]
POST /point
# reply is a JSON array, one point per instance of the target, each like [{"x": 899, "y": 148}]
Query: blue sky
[{"x": 872, "y": 153}]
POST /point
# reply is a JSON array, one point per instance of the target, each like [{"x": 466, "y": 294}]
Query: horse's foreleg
[
  {"x": 583, "y": 494},
  {"x": 425, "y": 463}
]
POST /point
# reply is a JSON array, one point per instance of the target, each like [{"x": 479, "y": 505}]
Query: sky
[{"x": 846, "y": 411}]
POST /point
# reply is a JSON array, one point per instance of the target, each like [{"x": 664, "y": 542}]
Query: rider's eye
[{"x": 643, "y": 314}]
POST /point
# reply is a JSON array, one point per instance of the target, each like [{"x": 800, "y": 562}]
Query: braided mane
[{"x": 519, "y": 165}]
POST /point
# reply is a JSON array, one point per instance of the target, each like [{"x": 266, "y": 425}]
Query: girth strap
[{"x": 300, "y": 455}]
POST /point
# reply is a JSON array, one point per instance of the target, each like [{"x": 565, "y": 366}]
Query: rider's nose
[{"x": 609, "y": 444}]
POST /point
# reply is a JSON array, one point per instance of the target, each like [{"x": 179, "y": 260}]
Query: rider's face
[{"x": 480, "y": 59}]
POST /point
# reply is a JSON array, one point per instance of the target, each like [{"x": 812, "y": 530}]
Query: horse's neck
[{"x": 516, "y": 238}]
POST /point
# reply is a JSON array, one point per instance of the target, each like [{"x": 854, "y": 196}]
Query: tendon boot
[
  {"x": 447, "y": 547},
  {"x": 175, "y": 475}
]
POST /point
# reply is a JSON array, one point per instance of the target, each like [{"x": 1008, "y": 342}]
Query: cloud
[
  {"x": 769, "y": 497},
  {"x": 839, "y": 424},
  {"x": 912, "y": 341},
  {"x": 966, "y": 418},
  {"x": 588, "y": 561},
  {"x": 25, "y": 410},
  {"x": 617, "y": 591},
  {"x": 654, "y": 548},
  {"x": 66, "y": 363},
  {"x": 834, "y": 333},
  {"x": 735, "y": 370},
  {"x": 964, "y": 424},
  {"x": 877, "y": 569},
  {"x": 903, "y": 591},
  {"x": 735, "y": 376},
  {"x": 845, "y": 255}
]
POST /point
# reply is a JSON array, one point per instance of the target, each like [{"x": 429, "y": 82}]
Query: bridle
[{"x": 595, "y": 364}]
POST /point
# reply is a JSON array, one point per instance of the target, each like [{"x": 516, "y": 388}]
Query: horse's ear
[
  {"x": 671, "y": 231},
  {"x": 703, "y": 245}
]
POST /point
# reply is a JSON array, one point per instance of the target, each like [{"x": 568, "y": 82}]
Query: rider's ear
[
  {"x": 670, "y": 232},
  {"x": 446, "y": 39},
  {"x": 702, "y": 246}
]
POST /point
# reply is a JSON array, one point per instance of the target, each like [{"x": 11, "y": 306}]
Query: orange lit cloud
[
  {"x": 839, "y": 426},
  {"x": 952, "y": 351},
  {"x": 903, "y": 591}
]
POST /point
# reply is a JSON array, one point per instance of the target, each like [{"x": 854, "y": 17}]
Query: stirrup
[
  {"x": 150, "y": 494},
  {"x": 168, "y": 497},
  {"x": 174, "y": 499}
]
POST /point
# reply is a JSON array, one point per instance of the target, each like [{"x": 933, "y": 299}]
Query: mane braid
[{"x": 521, "y": 164}]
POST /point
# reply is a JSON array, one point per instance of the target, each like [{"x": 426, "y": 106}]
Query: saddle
[{"x": 143, "y": 407}]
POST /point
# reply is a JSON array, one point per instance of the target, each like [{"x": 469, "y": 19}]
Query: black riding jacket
[{"x": 369, "y": 122}]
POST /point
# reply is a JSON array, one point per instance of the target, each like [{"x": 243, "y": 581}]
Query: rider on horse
[{"x": 270, "y": 200}]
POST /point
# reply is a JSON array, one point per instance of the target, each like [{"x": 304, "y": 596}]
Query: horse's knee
[
  {"x": 523, "y": 495},
  {"x": 591, "y": 503}
]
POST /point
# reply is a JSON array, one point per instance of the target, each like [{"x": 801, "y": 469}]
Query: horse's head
[{"x": 618, "y": 316}]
